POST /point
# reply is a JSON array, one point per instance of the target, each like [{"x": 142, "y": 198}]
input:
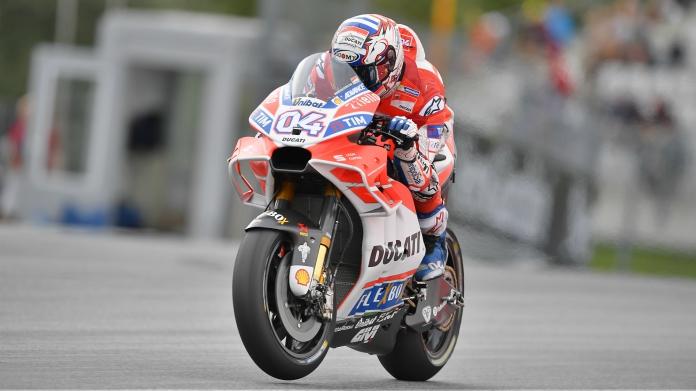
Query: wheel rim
[{"x": 307, "y": 347}]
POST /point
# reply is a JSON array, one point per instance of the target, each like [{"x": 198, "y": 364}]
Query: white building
[{"x": 146, "y": 119}]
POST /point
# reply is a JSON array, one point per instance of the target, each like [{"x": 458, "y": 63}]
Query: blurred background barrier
[{"x": 574, "y": 119}]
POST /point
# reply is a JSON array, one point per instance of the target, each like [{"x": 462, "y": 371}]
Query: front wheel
[
  {"x": 419, "y": 356},
  {"x": 275, "y": 329}
]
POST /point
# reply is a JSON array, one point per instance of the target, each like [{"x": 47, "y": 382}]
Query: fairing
[
  {"x": 392, "y": 246},
  {"x": 323, "y": 99}
]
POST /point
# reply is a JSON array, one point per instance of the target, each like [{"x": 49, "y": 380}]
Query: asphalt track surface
[{"x": 82, "y": 310}]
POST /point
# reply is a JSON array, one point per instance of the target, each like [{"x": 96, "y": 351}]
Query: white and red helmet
[{"x": 371, "y": 44}]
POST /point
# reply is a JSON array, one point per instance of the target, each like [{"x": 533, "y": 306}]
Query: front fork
[{"x": 315, "y": 290}]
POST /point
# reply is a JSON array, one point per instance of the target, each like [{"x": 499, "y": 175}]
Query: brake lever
[
  {"x": 388, "y": 136},
  {"x": 379, "y": 128},
  {"x": 398, "y": 141}
]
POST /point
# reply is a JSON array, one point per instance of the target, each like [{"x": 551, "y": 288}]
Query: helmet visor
[
  {"x": 368, "y": 75},
  {"x": 374, "y": 74}
]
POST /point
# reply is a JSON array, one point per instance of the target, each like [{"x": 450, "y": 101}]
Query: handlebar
[{"x": 379, "y": 128}]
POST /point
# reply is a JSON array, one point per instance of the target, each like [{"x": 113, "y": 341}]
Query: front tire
[
  {"x": 419, "y": 356},
  {"x": 261, "y": 261}
]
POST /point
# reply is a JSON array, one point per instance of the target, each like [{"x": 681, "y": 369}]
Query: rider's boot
[{"x": 433, "y": 263}]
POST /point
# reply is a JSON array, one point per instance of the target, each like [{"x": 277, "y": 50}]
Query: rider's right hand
[{"x": 404, "y": 129}]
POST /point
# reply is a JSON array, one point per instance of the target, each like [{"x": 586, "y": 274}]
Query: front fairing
[{"x": 302, "y": 113}]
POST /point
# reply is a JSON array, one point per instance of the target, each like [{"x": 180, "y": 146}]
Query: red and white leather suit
[{"x": 420, "y": 97}]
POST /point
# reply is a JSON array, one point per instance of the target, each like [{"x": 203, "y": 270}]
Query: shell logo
[{"x": 302, "y": 277}]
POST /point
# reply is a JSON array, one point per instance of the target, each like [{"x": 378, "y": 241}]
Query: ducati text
[{"x": 396, "y": 250}]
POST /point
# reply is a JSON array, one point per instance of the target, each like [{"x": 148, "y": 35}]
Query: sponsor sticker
[
  {"x": 435, "y": 131},
  {"x": 379, "y": 297},
  {"x": 344, "y": 327},
  {"x": 347, "y": 156},
  {"x": 262, "y": 119},
  {"x": 374, "y": 320},
  {"x": 364, "y": 322},
  {"x": 435, "y": 104},
  {"x": 277, "y": 216},
  {"x": 364, "y": 100},
  {"x": 290, "y": 139},
  {"x": 304, "y": 251},
  {"x": 434, "y": 146},
  {"x": 427, "y": 311},
  {"x": 302, "y": 228},
  {"x": 350, "y": 39},
  {"x": 404, "y": 105},
  {"x": 414, "y": 174},
  {"x": 348, "y": 122},
  {"x": 439, "y": 308},
  {"x": 351, "y": 91},
  {"x": 346, "y": 55},
  {"x": 302, "y": 277},
  {"x": 308, "y": 102},
  {"x": 365, "y": 335},
  {"x": 409, "y": 90},
  {"x": 386, "y": 316},
  {"x": 395, "y": 250}
]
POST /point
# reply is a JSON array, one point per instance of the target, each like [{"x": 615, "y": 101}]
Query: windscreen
[{"x": 319, "y": 78}]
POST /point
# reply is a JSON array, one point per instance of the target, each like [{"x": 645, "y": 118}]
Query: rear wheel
[
  {"x": 419, "y": 356},
  {"x": 276, "y": 330}
]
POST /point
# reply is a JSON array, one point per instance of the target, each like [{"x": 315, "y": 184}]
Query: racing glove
[{"x": 406, "y": 129}]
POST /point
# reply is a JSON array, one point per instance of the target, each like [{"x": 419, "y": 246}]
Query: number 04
[{"x": 311, "y": 122}]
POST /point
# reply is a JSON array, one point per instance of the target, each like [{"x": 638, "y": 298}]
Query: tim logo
[
  {"x": 348, "y": 122},
  {"x": 262, "y": 119}
]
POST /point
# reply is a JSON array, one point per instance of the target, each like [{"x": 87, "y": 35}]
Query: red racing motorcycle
[{"x": 330, "y": 260}]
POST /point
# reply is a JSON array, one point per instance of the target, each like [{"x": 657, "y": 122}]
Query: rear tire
[
  {"x": 419, "y": 356},
  {"x": 256, "y": 269}
]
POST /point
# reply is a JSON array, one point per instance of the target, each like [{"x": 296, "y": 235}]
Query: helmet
[{"x": 371, "y": 44}]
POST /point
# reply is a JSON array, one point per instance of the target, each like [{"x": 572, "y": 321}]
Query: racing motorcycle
[{"x": 330, "y": 260}]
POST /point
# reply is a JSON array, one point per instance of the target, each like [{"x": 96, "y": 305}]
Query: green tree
[
  {"x": 23, "y": 24},
  {"x": 26, "y": 23}
]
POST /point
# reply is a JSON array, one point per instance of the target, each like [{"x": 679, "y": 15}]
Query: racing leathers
[{"x": 420, "y": 98}]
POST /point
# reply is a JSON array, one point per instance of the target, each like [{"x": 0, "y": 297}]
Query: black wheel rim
[{"x": 301, "y": 351}]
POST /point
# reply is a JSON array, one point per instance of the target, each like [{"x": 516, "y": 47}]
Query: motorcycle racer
[{"x": 390, "y": 60}]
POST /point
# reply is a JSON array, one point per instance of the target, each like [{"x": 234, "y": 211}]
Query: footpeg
[{"x": 455, "y": 298}]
